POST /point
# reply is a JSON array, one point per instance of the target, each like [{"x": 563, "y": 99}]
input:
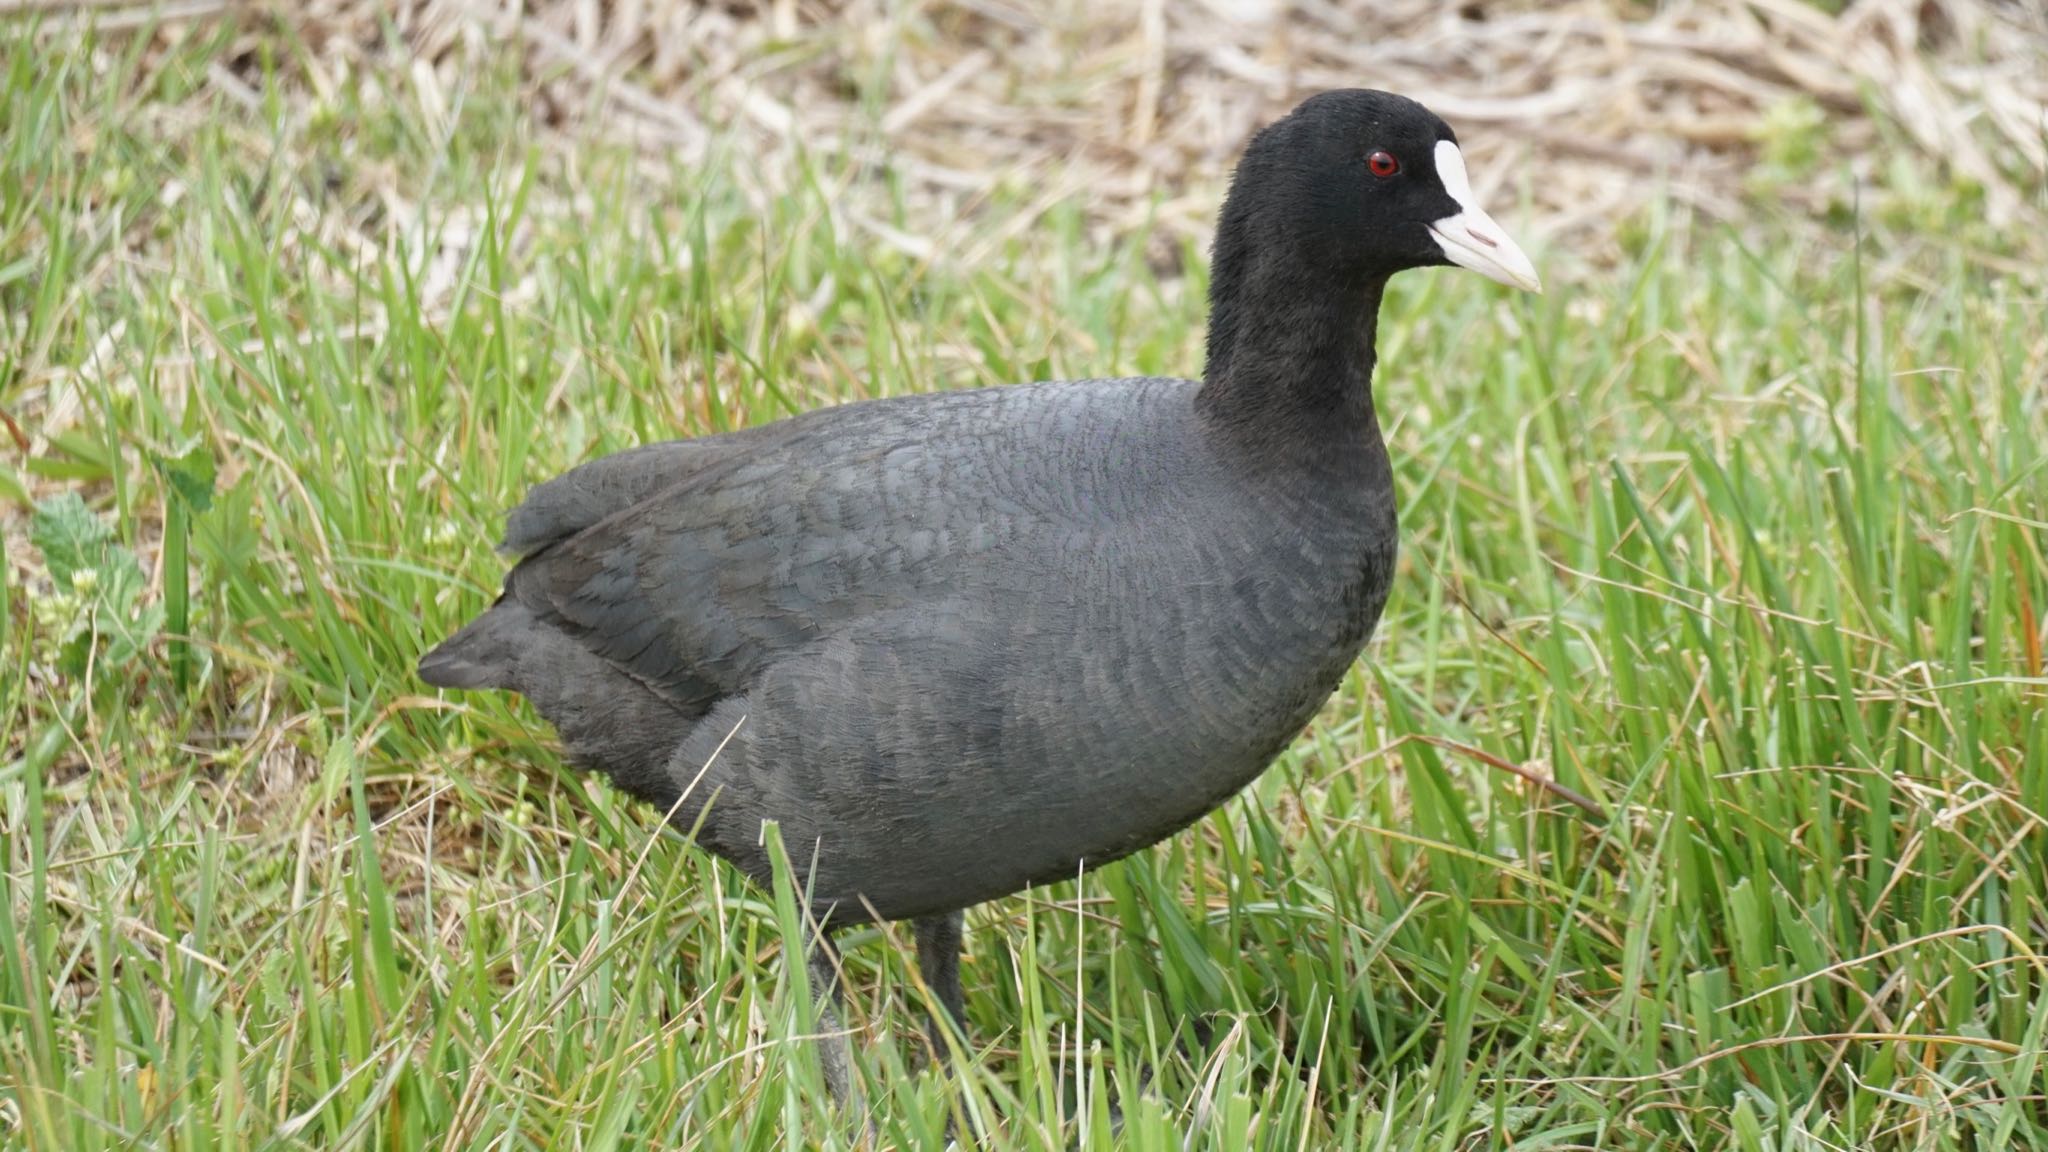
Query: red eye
[{"x": 1382, "y": 164}]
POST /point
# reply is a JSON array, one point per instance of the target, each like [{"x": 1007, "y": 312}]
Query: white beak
[{"x": 1470, "y": 239}]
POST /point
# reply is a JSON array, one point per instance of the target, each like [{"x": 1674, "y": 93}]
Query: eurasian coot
[{"x": 963, "y": 643}]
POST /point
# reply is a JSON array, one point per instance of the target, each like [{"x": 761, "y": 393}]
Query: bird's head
[{"x": 1365, "y": 184}]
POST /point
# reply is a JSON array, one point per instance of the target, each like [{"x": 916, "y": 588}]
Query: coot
[{"x": 964, "y": 643}]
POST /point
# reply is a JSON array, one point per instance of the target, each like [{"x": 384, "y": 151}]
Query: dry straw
[{"x": 1135, "y": 107}]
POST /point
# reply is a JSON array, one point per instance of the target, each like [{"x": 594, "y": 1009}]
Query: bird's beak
[{"x": 1470, "y": 238}]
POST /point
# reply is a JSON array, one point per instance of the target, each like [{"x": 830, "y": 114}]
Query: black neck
[{"x": 1290, "y": 352}]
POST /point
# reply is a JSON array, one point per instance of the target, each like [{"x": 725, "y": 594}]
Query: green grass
[{"x": 1745, "y": 538}]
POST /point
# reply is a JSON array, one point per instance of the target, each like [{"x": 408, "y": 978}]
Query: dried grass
[{"x": 1580, "y": 108}]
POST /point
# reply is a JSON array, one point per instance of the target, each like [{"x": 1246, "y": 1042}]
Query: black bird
[{"x": 964, "y": 643}]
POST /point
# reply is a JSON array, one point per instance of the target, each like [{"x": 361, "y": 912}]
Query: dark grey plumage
[
  {"x": 959, "y": 644},
  {"x": 954, "y": 697}
]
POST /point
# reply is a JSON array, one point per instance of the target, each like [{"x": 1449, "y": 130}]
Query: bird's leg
[
  {"x": 938, "y": 960},
  {"x": 835, "y": 1049}
]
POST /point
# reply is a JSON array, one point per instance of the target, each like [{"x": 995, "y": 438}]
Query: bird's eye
[{"x": 1382, "y": 164}]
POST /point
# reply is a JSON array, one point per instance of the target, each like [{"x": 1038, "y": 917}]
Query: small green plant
[
  {"x": 1793, "y": 137},
  {"x": 188, "y": 492},
  {"x": 98, "y": 601}
]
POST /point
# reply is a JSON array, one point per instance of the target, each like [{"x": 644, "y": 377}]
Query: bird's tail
[{"x": 484, "y": 653}]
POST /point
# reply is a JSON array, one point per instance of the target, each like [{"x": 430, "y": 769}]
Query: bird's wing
[
  {"x": 770, "y": 543},
  {"x": 559, "y": 508}
]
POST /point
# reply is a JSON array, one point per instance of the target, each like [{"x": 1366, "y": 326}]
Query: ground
[{"x": 1739, "y": 533}]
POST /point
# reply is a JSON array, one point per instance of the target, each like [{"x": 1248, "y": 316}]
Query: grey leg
[
  {"x": 835, "y": 1049},
  {"x": 938, "y": 959}
]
